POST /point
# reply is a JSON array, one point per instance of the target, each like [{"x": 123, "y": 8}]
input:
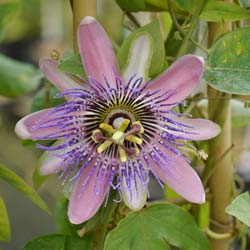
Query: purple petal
[
  {"x": 181, "y": 77},
  {"x": 60, "y": 79},
  {"x": 180, "y": 176},
  {"x": 196, "y": 129},
  {"x": 84, "y": 201},
  {"x": 96, "y": 51},
  {"x": 24, "y": 127}
]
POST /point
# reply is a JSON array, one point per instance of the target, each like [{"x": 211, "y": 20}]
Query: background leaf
[
  {"x": 157, "y": 64},
  {"x": 228, "y": 63},
  {"x": 62, "y": 221},
  {"x": 4, "y": 222},
  {"x": 240, "y": 114},
  {"x": 73, "y": 65},
  {"x": 245, "y": 3},
  {"x": 7, "y": 12},
  {"x": 135, "y": 5},
  {"x": 187, "y": 5},
  {"x": 151, "y": 228},
  {"x": 19, "y": 184},
  {"x": 218, "y": 11},
  {"x": 38, "y": 179},
  {"x": 240, "y": 208},
  {"x": 59, "y": 242},
  {"x": 45, "y": 98},
  {"x": 16, "y": 78}
]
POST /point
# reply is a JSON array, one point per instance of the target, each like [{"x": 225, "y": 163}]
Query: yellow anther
[
  {"x": 108, "y": 128},
  {"x": 118, "y": 137},
  {"x": 133, "y": 138},
  {"x": 122, "y": 154},
  {"x": 104, "y": 146},
  {"x": 124, "y": 125},
  {"x": 137, "y": 123}
]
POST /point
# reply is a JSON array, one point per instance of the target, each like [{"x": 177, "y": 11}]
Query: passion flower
[{"x": 115, "y": 128}]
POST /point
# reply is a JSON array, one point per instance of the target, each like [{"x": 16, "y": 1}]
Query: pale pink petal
[
  {"x": 134, "y": 196},
  {"x": 139, "y": 58},
  {"x": 180, "y": 176},
  {"x": 42, "y": 125},
  {"x": 96, "y": 51},
  {"x": 24, "y": 127},
  {"x": 60, "y": 79},
  {"x": 181, "y": 77},
  {"x": 84, "y": 201},
  {"x": 49, "y": 163},
  {"x": 195, "y": 129}
]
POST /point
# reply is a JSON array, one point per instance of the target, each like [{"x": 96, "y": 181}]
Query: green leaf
[
  {"x": 215, "y": 11},
  {"x": 73, "y": 65},
  {"x": 59, "y": 242},
  {"x": 38, "y": 179},
  {"x": 135, "y": 5},
  {"x": 228, "y": 63},
  {"x": 151, "y": 228},
  {"x": 218, "y": 11},
  {"x": 245, "y": 3},
  {"x": 240, "y": 208},
  {"x": 17, "y": 78},
  {"x": 4, "y": 222},
  {"x": 62, "y": 221},
  {"x": 158, "y": 3},
  {"x": 158, "y": 57},
  {"x": 8, "y": 11},
  {"x": 187, "y": 5},
  {"x": 45, "y": 98},
  {"x": 18, "y": 183},
  {"x": 240, "y": 114}
]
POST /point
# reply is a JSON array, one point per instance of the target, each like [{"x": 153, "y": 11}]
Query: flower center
[{"x": 122, "y": 130}]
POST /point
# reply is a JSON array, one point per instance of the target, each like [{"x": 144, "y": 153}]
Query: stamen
[
  {"x": 118, "y": 136},
  {"x": 133, "y": 138},
  {"x": 122, "y": 154},
  {"x": 107, "y": 128},
  {"x": 104, "y": 146}
]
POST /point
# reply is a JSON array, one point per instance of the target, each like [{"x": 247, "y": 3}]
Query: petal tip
[
  {"x": 201, "y": 59},
  {"x": 21, "y": 130},
  {"x": 87, "y": 20},
  {"x": 201, "y": 198},
  {"x": 75, "y": 220}
]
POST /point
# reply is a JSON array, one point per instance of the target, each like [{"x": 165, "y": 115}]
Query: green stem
[
  {"x": 106, "y": 216},
  {"x": 221, "y": 179},
  {"x": 179, "y": 28},
  {"x": 132, "y": 19},
  {"x": 81, "y": 8},
  {"x": 193, "y": 23}
]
